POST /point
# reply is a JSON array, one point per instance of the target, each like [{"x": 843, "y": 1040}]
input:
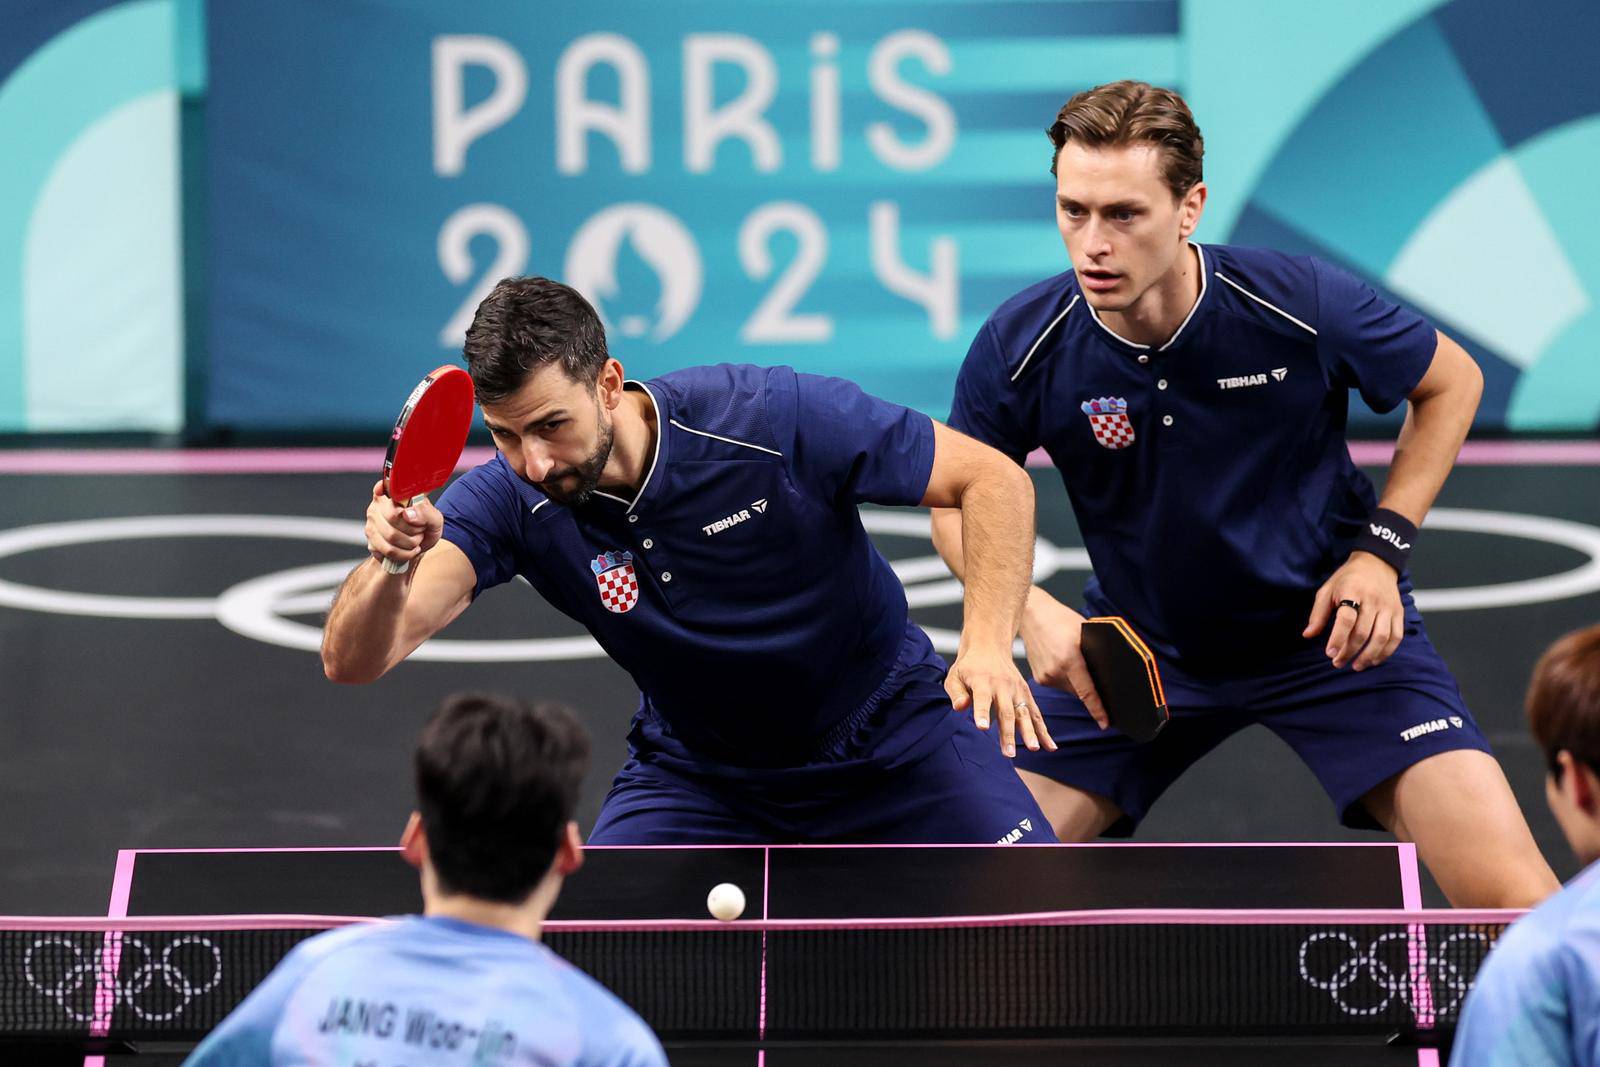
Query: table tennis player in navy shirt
[
  {"x": 703, "y": 527},
  {"x": 1194, "y": 400}
]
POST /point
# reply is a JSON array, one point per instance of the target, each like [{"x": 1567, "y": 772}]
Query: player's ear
[
  {"x": 1585, "y": 783},
  {"x": 1191, "y": 208},
  {"x": 569, "y": 850},
  {"x": 414, "y": 842},
  {"x": 609, "y": 383}
]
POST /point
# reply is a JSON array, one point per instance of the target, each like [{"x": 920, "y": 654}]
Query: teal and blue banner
[
  {"x": 91, "y": 297},
  {"x": 848, "y": 186}
]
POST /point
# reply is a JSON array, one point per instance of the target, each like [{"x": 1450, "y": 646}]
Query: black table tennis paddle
[{"x": 1126, "y": 677}]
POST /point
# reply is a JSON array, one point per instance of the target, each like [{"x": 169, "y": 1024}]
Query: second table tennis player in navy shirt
[
  {"x": 703, "y": 527},
  {"x": 1194, "y": 400}
]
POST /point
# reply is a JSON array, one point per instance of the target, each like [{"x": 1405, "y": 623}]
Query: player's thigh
[
  {"x": 1469, "y": 830},
  {"x": 1097, "y": 776},
  {"x": 1075, "y": 814},
  {"x": 964, "y": 792},
  {"x": 1358, "y": 730},
  {"x": 647, "y": 806}
]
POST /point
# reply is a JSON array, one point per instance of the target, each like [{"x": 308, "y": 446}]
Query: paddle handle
[{"x": 400, "y": 566}]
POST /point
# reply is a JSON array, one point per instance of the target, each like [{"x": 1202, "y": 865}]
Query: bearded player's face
[{"x": 555, "y": 433}]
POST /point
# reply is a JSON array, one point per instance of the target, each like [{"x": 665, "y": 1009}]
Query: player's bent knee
[{"x": 1074, "y": 814}]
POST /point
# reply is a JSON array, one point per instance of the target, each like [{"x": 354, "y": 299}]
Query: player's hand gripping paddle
[
  {"x": 1125, "y": 675},
  {"x": 428, "y": 439}
]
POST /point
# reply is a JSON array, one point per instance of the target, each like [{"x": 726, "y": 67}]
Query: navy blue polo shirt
[
  {"x": 738, "y": 586},
  {"x": 1210, "y": 475}
]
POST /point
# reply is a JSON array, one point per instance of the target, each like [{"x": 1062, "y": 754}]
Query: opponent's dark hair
[
  {"x": 497, "y": 782},
  {"x": 526, "y": 323},
  {"x": 1564, "y": 699},
  {"x": 1132, "y": 112}
]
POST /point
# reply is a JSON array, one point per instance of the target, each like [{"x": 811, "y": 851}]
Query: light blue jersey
[
  {"x": 1537, "y": 999},
  {"x": 429, "y": 991}
]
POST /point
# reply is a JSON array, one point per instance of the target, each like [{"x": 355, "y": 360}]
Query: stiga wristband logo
[{"x": 1383, "y": 533}]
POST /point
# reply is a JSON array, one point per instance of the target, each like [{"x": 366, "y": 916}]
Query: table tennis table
[{"x": 901, "y": 923}]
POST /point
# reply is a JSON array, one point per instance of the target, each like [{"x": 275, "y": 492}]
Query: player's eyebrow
[
  {"x": 531, "y": 424},
  {"x": 1118, "y": 205}
]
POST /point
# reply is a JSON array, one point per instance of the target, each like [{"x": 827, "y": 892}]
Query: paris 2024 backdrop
[{"x": 210, "y": 207}]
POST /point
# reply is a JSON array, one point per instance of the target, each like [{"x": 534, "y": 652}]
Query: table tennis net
[{"x": 1139, "y": 973}]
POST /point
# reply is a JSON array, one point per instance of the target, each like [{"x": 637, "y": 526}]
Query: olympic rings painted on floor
[{"x": 262, "y": 608}]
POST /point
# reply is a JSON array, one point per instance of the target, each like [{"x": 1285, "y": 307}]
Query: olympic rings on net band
[
  {"x": 77, "y": 978},
  {"x": 1368, "y": 979}
]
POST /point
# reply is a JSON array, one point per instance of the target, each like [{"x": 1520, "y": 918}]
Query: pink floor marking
[
  {"x": 207, "y": 461},
  {"x": 370, "y": 460},
  {"x": 1473, "y": 454}
]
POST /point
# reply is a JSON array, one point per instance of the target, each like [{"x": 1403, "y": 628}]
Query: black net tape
[{"x": 731, "y": 983}]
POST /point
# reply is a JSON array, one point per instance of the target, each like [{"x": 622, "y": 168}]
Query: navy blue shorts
[
  {"x": 1355, "y": 731},
  {"x": 963, "y": 792}
]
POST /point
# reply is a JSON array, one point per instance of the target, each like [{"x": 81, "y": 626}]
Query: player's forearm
[
  {"x": 363, "y": 626},
  {"x": 1429, "y": 441},
  {"x": 996, "y": 554},
  {"x": 947, "y": 540}
]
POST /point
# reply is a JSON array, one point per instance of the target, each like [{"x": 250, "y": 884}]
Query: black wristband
[{"x": 1389, "y": 536}]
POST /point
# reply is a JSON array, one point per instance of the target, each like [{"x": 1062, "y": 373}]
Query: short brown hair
[
  {"x": 1564, "y": 698},
  {"x": 1130, "y": 112}
]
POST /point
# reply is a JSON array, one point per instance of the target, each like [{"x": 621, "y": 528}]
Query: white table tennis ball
[{"x": 725, "y": 901}]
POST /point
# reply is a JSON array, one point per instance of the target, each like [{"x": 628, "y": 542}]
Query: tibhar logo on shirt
[
  {"x": 1013, "y": 836},
  {"x": 1432, "y": 726},
  {"x": 1247, "y": 380},
  {"x": 742, "y": 515}
]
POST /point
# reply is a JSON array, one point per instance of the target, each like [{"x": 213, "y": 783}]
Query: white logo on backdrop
[
  {"x": 659, "y": 241},
  {"x": 265, "y": 608}
]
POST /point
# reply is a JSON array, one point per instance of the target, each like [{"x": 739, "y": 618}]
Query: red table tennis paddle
[
  {"x": 1126, "y": 677},
  {"x": 428, "y": 439}
]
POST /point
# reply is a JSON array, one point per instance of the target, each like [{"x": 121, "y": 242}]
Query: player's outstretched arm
[
  {"x": 1050, "y": 630},
  {"x": 1441, "y": 409},
  {"x": 995, "y": 501},
  {"x": 378, "y": 618}
]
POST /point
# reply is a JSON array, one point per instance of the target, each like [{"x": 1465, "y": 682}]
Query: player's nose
[
  {"x": 536, "y": 461},
  {"x": 1096, "y": 241}
]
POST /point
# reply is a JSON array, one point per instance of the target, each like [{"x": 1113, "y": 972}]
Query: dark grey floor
[{"x": 118, "y": 733}]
